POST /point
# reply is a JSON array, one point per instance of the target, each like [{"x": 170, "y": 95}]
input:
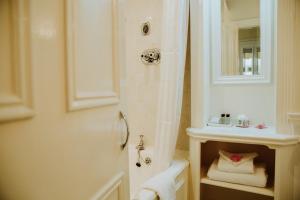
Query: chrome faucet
[{"x": 140, "y": 146}]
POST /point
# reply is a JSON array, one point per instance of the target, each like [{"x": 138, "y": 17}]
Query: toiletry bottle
[
  {"x": 227, "y": 119},
  {"x": 222, "y": 120}
]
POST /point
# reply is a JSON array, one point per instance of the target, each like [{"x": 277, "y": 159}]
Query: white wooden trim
[
  {"x": 267, "y": 10},
  {"x": 91, "y": 95},
  {"x": 182, "y": 185},
  {"x": 19, "y": 105},
  {"x": 252, "y": 189},
  {"x": 111, "y": 186},
  {"x": 195, "y": 158},
  {"x": 263, "y": 137},
  {"x": 285, "y": 64},
  {"x": 83, "y": 100},
  {"x": 215, "y": 52},
  {"x": 284, "y": 173},
  {"x": 294, "y": 122},
  {"x": 294, "y": 116},
  {"x": 267, "y": 13},
  {"x": 200, "y": 74}
]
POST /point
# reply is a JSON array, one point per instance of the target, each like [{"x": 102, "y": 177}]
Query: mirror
[{"x": 242, "y": 40}]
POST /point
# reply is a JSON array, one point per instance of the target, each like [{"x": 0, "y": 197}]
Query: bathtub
[{"x": 140, "y": 175}]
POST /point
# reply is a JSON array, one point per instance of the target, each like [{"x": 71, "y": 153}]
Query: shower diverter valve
[{"x": 151, "y": 57}]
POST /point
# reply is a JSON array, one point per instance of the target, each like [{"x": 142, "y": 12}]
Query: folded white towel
[
  {"x": 163, "y": 185},
  {"x": 244, "y": 168},
  {"x": 258, "y": 178},
  {"x": 244, "y": 157},
  {"x": 236, "y": 162}
]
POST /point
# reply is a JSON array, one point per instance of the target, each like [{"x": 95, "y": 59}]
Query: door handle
[{"x": 123, "y": 117}]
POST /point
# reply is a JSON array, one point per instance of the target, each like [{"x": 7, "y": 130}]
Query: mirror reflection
[{"x": 241, "y": 52}]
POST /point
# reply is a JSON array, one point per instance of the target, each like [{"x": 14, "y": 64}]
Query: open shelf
[
  {"x": 269, "y": 191},
  {"x": 234, "y": 191},
  {"x": 276, "y": 153}
]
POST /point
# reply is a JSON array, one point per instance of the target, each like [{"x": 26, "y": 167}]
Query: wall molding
[
  {"x": 294, "y": 122},
  {"x": 85, "y": 99},
  {"x": 113, "y": 185},
  {"x": 18, "y": 102},
  {"x": 286, "y": 76},
  {"x": 294, "y": 116}
]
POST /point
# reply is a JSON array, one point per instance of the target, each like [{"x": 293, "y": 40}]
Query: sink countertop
[{"x": 251, "y": 135}]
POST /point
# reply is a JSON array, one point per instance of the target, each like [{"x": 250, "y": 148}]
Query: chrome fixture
[
  {"x": 123, "y": 117},
  {"x": 148, "y": 160},
  {"x": 151, "y": 57},
  {"x": 140, "y": 147},
  {"x": 146, "y": 28}
]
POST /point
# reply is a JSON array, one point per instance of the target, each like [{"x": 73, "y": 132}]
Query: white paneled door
[{"x": 60, "y": 100}]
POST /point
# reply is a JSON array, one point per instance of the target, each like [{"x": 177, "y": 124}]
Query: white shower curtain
[{"x": 173, "y": 51}]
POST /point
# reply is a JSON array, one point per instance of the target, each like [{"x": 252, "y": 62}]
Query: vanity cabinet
[
  {"x": 278, "y": 151},
  {"x": 229, "y": 76}
]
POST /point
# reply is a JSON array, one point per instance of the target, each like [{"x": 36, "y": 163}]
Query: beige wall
[
  {"x": 185, "y": 120},
  {"x": 249, "y": 34},
  {"x": 240, "y": 10}
]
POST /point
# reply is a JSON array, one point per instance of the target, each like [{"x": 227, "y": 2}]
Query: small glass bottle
[
  {"x": 222, "y": 120},
  {"x": 227, "y": 119}
]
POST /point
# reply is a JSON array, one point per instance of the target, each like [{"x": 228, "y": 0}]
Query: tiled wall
[{"x": 142, "y": 80}]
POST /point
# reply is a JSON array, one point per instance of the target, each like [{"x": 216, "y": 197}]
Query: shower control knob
[
  {"x": 146, "y": 28},
  {"x": 148, "y": 160},
  {"x": 151, "y": 57}
]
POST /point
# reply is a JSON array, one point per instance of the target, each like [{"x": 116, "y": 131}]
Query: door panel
[
  {"x": 92, "y": 51},
  {"x": 61, "y": 155},
  {"x": 113, "y": 190},
  {"x": 15, "y": 71}
]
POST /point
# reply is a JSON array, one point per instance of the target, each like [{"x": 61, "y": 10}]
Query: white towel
[
  {"x": 258, "y": 178},
  {"x": 244, "y": 168},
  {"x": 244, "y": 165},
  {"x": 244, "y": 157},
  {"x": 146, "y": 195},
  {"x": 163, "y": 185}
]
